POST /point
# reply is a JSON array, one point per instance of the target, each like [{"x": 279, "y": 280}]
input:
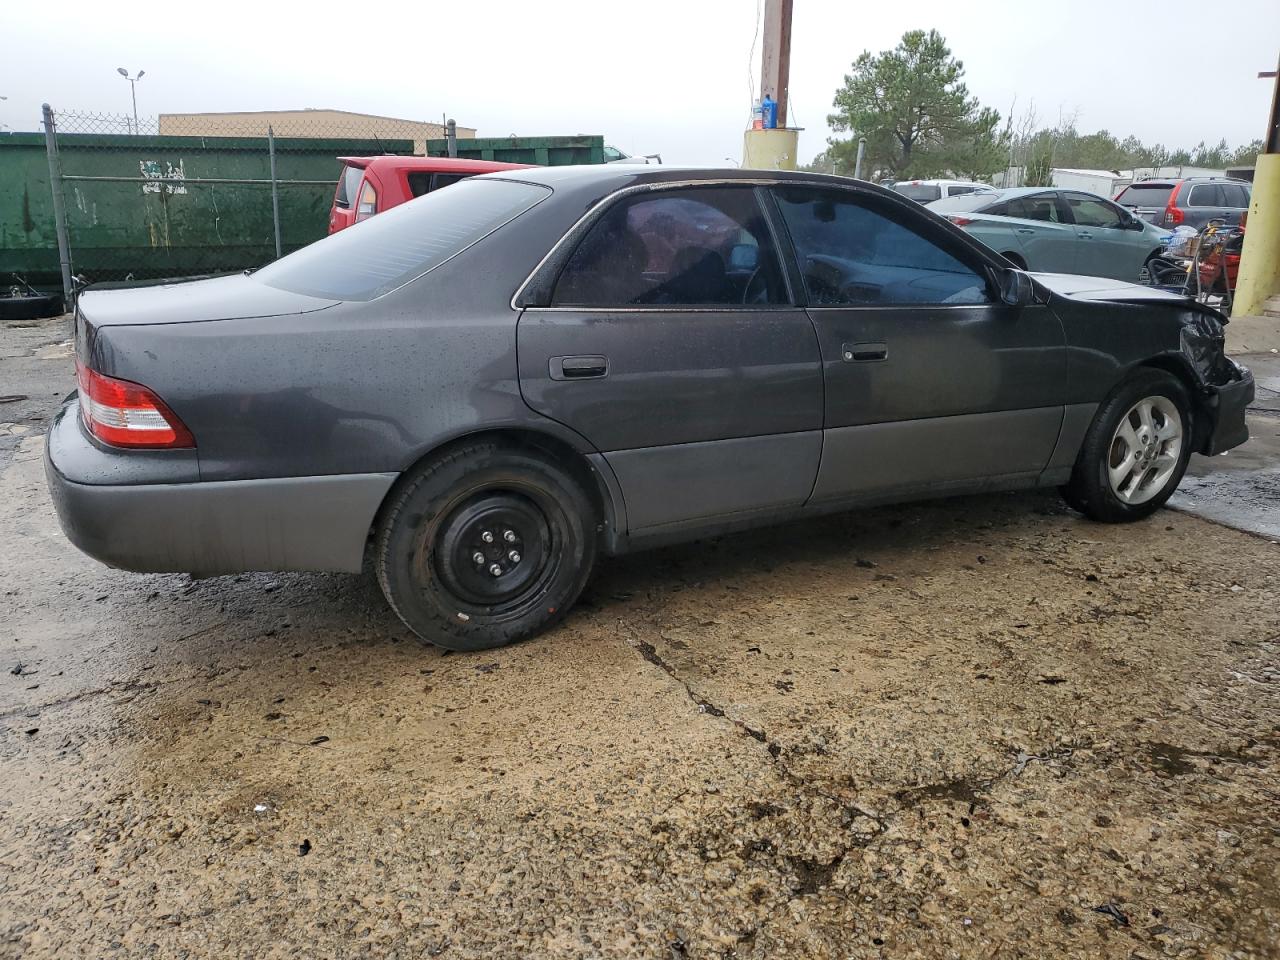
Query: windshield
[
  {"x": 387, "y": 251},
  {"x": 965, "y": 203},
  {"x": 920, "y": 192},
  {"x": 1153, "y": 195}
]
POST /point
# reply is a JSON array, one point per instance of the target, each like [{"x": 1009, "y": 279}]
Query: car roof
[
  {"x": 608, "y": 177},
  {"x": 430, "y": 164}
]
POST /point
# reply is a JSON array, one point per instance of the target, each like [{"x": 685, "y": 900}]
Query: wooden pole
[{"x": 775, "y": 57}]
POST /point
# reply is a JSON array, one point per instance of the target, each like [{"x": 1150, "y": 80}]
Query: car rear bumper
[
  {"x": 293, "y": 523},
  {"x": 1226, "y": 407}
]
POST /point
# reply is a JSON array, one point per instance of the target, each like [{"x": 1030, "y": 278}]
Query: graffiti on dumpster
[{"x": 163, "y": 176}]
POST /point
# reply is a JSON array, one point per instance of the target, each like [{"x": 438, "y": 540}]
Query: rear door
[
  {"x": 1105, "y": 248},
  {"x": 930, "y": 383},
  {"x": 673, "y": 347}
]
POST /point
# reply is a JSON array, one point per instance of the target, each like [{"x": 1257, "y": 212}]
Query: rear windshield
[
  {"x": 387, "y": 251},
  {"x": 965, "y": 203},
  {"x": 1145, "y": 195},
  {"x": 920, "y": 192},
  {"x": 348, "y": 184}
]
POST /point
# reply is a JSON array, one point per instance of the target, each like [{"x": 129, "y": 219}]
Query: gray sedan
[
  {"x": 1059, "y": 231},
  {"x": 483, "y": 390}
]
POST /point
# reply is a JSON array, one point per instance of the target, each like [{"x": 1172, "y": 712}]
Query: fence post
[
  {"x": 59, "y": 212},
  {"x": 451, "y": 138},
  {"x": 275, "y": 188}
]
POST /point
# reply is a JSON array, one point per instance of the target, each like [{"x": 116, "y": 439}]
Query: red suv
[{"x": 369, "y": 185}]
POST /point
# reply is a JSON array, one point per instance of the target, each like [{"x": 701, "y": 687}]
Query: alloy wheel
[{"x": 1145, "y": 450}]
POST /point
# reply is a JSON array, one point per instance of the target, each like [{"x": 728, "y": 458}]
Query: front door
[
  {"x": 1106, "y": 248},
  {"x": 931, "y": 382},
  {"x": 673, "y": 347}
]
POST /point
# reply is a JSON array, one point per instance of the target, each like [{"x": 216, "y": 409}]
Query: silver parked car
[{"x": 1058, "y": 231}]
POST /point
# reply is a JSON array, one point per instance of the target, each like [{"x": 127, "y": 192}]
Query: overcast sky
[{"x": 664, "y": 76}]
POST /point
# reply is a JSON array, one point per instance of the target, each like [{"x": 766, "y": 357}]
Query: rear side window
[
  {"x": 705, "y": 246},
  {"x": 1236, "y": 194},
  {"x": 384, "y": 252},
  {"x": 1206, "y": 195},
  {"x": 852, "y": 254},
  {"x": 919, "y": 192},
  {"x": 348, "y": 186},
  {"x": 1040, "y": 206},
  {"x": 1145, "y": 196},
  {"x": 958, "y": 191}
]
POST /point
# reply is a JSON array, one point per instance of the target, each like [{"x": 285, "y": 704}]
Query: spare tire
[{"x": 30, "y": 307}]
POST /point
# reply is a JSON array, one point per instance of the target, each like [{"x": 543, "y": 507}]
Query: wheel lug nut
[
  {"x": 487, "y": 537},
  {"x": 513, "y": 557},
  {"x": 495, "y": 570},
  {"x": 478, "y": 557},
  {"x": 509, "y": 536}
]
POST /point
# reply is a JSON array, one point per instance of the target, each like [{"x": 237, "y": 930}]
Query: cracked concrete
[{"x": 972, "y": 728}]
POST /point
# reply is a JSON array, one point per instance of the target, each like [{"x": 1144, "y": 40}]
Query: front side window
[
  {"x": 384, "y": 252},
  {"x": 853, "y": 254},
  {"x": 701, "y": 247},
  {"x": 1091, "y": 212}
]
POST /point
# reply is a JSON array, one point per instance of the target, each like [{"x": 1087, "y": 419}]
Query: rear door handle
[
  {"x": 1085, "y": 236},
  {"x": 864, "y": 352},
  {"x": 579, "y": 368},
  {"x": 1025, "y": 230}
]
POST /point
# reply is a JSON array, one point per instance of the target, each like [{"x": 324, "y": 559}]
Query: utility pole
[
  {"x": 1259, "y": 276},
  {"x": 775, "y": 55},
  {"x": 774, "y": 149}
]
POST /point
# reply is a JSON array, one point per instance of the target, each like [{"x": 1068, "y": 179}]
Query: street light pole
[{"x": 133, "y": 89}]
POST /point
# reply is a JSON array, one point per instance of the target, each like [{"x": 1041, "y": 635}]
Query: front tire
[
  {"x": 1135, "y": 452},
  {"x": 485, "y": 546}
]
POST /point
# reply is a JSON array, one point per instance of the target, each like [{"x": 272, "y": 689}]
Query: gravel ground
[{"x": 973, "y": 728}]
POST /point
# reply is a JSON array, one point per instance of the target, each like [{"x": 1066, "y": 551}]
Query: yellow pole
[
  {"x": 770, "y": 149},
  {"x": 1260, "y": 259}
]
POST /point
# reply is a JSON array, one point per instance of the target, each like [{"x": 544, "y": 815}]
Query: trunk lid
[{"x": 193, "y": 301}]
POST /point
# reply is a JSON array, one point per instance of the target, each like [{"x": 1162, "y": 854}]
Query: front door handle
[
  {"x": 1026, "y": 231},
  {"x": 579, "y": 368},
  {"x": 1085, "y": 236},
  {"x": 864, "y": 352}
]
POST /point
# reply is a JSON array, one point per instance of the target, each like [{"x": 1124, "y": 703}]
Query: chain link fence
[
  {"x": 139, "y": 203},
  {"x": 117, "y": 198}
]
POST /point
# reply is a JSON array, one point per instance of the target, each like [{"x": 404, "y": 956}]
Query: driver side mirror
[{"x": 1016, "y": 288}]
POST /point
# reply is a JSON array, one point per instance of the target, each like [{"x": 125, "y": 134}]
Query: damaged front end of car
[{"x": 1226, "y": 387}]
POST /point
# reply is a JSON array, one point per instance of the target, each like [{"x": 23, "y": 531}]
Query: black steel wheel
[{"x": 485, "y": 546}]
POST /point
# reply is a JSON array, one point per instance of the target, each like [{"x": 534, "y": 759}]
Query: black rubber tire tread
[
  {"x": 1089, "y": 490},
  {"x": 30, "y": 307},
  {"x": 426, "y": 495}
]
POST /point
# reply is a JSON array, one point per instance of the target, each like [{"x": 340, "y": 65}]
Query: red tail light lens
[
  {"x": 125, "y": 414},
  {"x": 1172, "y": 213},
  {"x": 958, "y": 220}
]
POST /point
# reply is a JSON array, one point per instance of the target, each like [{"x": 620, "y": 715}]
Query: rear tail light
[
  {"x": 125, "y": 414},
  {"x": 958, "y": 220},
  {"x": 1172, "y": 213},
  {"x": 368, "y": 204}
]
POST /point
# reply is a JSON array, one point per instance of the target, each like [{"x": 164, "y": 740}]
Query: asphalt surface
[{"x": 982, "y": 727}]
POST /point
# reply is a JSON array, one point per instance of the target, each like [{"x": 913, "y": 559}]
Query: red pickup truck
[{"x": 370, "y": 185}]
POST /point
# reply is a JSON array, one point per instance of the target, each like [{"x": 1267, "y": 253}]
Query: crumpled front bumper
[{"x": 1226, "y": 406}]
